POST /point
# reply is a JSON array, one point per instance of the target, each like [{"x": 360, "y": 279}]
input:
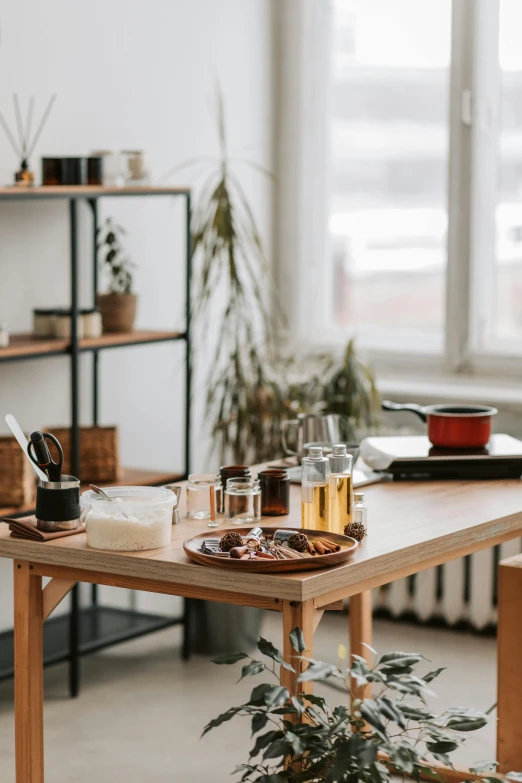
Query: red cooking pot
[{"x": 452, "y": 426}]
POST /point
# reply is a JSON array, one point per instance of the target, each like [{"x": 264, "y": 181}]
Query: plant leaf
[
  {"x": 259, "y": 721},
  {"x": 268, "y": 649},
  {"x": 297, "y": 640},
  {"x": 442, "y": 746},
  {"x": 230, "y": 658},
  {"x": 252, "y": 668},
  {"x": 484, "y": 766},
  {"x": 431, "y": 675}
]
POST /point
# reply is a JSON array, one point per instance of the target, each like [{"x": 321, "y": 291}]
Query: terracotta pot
[
  {"x": 452, "y": 426},
  {"x": 118, "y": 311}
]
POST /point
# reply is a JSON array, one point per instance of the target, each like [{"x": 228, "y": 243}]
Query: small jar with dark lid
[
  {"x": 227, "y": 472},
  {"x": 275, "y": 492}
]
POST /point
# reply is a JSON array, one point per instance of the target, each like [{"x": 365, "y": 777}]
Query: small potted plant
[{"x": 118, "y": 305}]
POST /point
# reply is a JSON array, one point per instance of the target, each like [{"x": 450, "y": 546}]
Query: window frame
[{"x": 303, "y": 193}]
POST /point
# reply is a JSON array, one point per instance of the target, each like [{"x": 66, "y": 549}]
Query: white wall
[{"x": 127, "y": 74}]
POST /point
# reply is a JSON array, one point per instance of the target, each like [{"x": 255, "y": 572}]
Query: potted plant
[
  {"x": 118, "y": 305},
  {"x": 395, "y": 733}
]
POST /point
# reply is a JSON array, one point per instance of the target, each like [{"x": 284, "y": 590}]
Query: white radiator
[{"x": 462, "y": 592}]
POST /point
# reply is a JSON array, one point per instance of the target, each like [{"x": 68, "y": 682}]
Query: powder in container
[{"x": 138, "y": 518}]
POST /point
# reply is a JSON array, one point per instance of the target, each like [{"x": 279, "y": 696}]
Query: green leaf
[
  {"x": 371, "y": 713},
  {"x": 297, "y": 640},
  {"x": 420, "y": 714},
  {"x": 317, "y": 670},
  {"x": 442, "y": 746},
  {"x": 252, "y": 668},
  {"x": 403, "y": 758},
  {"x": 318, "y": 701},
  {"x": 268, "y": 649},
  {"x": 230, "y": 658},
  {"x": 263, "y": 740},
  {"x": 259, "y": 721},
  {"x": 223, "y": 718},
  {"x": 277, "y": 748},
  {"x": 390, "y": 710},
  {"x": 463, "y": 723},
  {"x": 257, "y": 697},
  {"x": 401, "y": 659},
  {"x": 484, "y": 766},
  {"x": 431, "y": 675},
  {"x": 276, "y": 696}
]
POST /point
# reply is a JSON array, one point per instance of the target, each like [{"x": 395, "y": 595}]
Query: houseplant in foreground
[
  {"x": 304, "y": 739},
  {"x": 118, "y": 305}
]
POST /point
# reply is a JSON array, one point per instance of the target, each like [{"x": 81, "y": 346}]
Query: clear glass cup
[
  {"x": 198, "y": 494},
  {"x": 242, "y": 501}
]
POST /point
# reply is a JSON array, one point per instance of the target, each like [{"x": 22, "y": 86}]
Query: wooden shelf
[
  {"x": 87, "y": 191},
  {"x": 131, "y": 477},
  {"x": 24, "y": 346}
]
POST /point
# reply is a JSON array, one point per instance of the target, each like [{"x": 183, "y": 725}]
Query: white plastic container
[{"x": 140, "y": 518}]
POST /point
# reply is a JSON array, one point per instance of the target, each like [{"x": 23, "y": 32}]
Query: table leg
[
  {"x": 509, "y": 672},
  {"x": 361, "y": 631},
  {"x": 28, "y": 658},
  {"x": 297, "y": 615}
]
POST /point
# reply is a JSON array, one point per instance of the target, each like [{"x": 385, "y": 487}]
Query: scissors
[{"x": 39, "y": 453}]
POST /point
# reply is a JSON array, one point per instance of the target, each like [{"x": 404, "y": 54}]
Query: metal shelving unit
[{"x": 88, "y": 629}]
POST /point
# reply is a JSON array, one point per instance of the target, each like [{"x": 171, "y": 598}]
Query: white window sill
[{"x": 434, "y": 389}]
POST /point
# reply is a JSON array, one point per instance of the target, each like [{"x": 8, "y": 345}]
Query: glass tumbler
[
  {"x": 231, "y": 471},
  {"x": 243, "y": 501},
  {"x": 198, "y": 494},
  {"x": 275, "y": 492}
]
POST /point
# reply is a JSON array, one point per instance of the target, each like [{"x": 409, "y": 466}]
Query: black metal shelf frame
[{"x": 79, "y": 641}]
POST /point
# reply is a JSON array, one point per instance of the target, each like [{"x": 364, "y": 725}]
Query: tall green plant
[
  {"x": 245, "y": 399},
  {"x": 252, "y": 386},
  {"x": 300, "y": 740}
]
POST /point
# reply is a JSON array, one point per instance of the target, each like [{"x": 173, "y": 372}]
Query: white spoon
[{"x": 24, "y": 444}]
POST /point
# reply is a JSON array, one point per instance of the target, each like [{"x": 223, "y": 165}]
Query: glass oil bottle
[
  {"x": 340, "y": 489},
  {"x": 314, "y": 490}
]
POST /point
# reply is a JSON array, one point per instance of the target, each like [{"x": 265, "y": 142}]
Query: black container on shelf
[{"x": 94, "y": 171}]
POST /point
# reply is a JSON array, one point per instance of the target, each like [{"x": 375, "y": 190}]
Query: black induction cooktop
[{"x": 411, "y": 457}]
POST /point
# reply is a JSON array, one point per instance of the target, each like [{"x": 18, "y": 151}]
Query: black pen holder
[{"x": 58, "y": 504}]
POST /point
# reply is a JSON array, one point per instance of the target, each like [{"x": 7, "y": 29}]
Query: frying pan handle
[{"x": 412, "y": 407}]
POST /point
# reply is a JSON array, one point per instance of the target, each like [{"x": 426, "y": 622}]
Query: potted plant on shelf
[
  {"x": 118, "y": 305},
  {"x": 395, "y": 733}
]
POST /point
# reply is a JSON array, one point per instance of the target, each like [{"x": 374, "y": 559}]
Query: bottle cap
[
  {"x": 358, "y": 497},
  {"x": 339, "y": 450},
  {"x": 315, "y": 452}
]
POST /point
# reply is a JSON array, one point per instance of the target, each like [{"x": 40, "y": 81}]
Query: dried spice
[
  {"x": 355, "y": 530},
  {"x": 299, "y": 542},
  {"x": 230, "y": 540}
]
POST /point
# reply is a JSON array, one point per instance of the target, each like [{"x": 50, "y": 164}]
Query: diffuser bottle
[
  {"x": 340, "y": 489},
  {"x": 314, "y": 490}
]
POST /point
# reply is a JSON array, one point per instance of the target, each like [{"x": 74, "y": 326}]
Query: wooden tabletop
[{"x": 412, "y": 526}]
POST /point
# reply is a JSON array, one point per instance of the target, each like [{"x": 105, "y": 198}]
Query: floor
[{"x": 141, "y": 711}]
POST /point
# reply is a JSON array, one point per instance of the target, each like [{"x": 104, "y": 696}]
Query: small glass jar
[
  {"x": 198, "y": 494},
  {"x": 43, "y": 322},
  {"x": 92, "y": 322},
  {"x": 62, "y": 325},
  {"x": 275, "y": 492},
  {"x": 242, "y": 501},
  {"x": 231, "y": 471},
  {"x": 4, "y": 334},
  {"x": 360, "y": 510}
]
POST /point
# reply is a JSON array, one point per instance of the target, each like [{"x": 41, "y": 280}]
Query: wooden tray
[{"x": 348, "y": 547}]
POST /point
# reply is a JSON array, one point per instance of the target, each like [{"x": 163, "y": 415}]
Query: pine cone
[
  {"x": 355, "y": 530},
  {"x": 230, "y": 540},
  {"x": 299, "y": 542}
]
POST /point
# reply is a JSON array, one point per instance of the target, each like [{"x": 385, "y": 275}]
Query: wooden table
[{"x": 412, "y": 526}]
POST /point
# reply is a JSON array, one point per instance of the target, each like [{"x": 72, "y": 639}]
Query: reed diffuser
[{"x": 26, "y": 143}]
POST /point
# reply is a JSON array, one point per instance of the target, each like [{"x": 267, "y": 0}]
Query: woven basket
[
  {"x": 99, "y": 452},
  {"x": 17, "y": 478}
]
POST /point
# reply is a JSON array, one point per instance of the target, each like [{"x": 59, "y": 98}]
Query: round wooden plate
[{"x": 348, "y": 546}]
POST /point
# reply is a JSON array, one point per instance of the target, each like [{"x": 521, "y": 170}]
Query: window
[
  {"x": 389, "y": 160},
  {"x": 421, "y": 211}
]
